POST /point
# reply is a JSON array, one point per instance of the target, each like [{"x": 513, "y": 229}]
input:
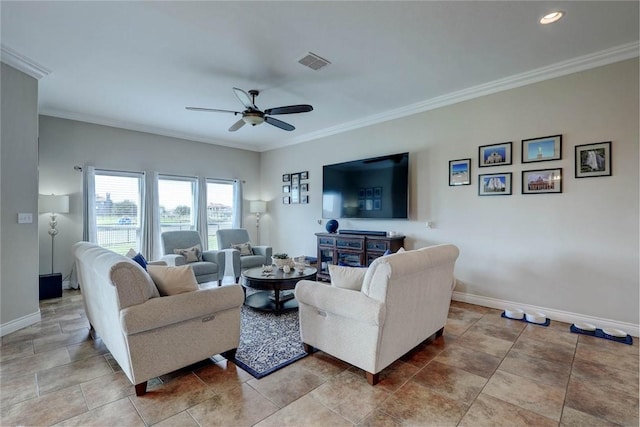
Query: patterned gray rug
[{"x": 268, "y": 342}]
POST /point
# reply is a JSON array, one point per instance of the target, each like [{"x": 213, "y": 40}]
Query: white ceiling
[{"x": 136, "y": 65}]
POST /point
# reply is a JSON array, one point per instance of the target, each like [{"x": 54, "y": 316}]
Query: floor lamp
[
  {"x": 257, "y": 207},
  {"x": 53, "y": 205}
]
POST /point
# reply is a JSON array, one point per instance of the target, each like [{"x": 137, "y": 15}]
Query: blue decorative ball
[{"x": 332, "y": 226}]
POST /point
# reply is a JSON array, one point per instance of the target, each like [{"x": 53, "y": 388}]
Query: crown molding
[
  {"x": 22, "y": 63},
  {"x": 581, "y": 63},
  {"x": 141, "y": 128}
]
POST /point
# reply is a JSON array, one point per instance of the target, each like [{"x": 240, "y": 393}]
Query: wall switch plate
[{"x": 25, "y": 218}]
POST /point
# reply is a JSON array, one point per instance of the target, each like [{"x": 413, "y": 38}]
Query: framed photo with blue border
[
  {"x": 494, "y": 155},
  {"x": 459, "y": 172},
  {"x": 542, "y": 181},
  {"x": 494, "y": 184},
  {"x": 542, "y": 149}
]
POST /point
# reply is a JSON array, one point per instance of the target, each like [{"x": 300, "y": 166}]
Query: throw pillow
[
  {"x": 192, "y": 254},
  {"x": 173, "y": 280},
  {"x": 244, "y": 248},
  {"x": 401, "y": 250},
  {"x": 137, "y": 257},
  {"x": 347, "y": 277}
]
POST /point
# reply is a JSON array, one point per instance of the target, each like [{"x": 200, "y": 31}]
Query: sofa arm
[
  {"x": 174, "y": 260},
  {"x": 214, "y": 256},
  {"x": 341, "y": 302},
  {"x": 163, "y": 311}
]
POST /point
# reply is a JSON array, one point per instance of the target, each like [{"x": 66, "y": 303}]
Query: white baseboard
[
  {"x": 22, "y": 322},
  {"x": 561, "y": 316}
]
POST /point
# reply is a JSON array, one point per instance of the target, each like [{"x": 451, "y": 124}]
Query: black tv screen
[{"x": 375, "y": 188}]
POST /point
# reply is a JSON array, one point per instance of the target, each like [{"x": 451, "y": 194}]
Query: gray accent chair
[
  {"x": 211, "y": 267},
  {"x": 235, "y": 236}
]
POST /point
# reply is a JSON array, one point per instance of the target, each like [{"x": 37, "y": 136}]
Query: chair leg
[
  {"x": 220, "y": 282},
  {"x": 373, "y": 379},
  {"x": 237, "y": 279},
  {"x": 229, "y": 354},
  {"x": 141, "y": 389},
  {"x": 307, "y": 348},
  {"x": 440, "y": 332}
]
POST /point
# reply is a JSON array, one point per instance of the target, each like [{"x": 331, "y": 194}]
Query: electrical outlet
[{"x": 25, "y": 218}]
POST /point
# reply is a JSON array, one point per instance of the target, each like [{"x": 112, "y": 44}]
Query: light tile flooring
[{"x": 485, "y": 371}]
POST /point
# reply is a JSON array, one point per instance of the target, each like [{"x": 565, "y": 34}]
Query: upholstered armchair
[
  {"x": 233, "y": 241},
  {"x": 207, "y": 265},
  {"x": 371, "y": 317}
]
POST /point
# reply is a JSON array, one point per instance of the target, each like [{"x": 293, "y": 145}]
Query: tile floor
[{"x": 485, "y": 371}]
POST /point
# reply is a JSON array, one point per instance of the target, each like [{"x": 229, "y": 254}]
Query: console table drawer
[
  {"x": 349, "y": 244},
  {"x": 377, "y": 245},
  {"x": 326, "y": 241}
]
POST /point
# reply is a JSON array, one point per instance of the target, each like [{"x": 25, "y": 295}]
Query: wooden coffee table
[{"x": 269, "y": 297}]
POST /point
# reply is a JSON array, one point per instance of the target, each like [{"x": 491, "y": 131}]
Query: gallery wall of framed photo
[
  {"x": 590, "y": 160},
  {"x": 295, "y": 188}
]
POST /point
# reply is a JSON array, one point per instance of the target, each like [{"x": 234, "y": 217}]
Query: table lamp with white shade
[
  {"x": 53, "y": 205},
  {"x": 257, "y": 207}
]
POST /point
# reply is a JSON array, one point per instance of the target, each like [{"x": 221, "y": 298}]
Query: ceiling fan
[{"x": 253, "y": 115}]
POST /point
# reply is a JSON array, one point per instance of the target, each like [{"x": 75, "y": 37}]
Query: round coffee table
[{"x": 269, "y": 297}]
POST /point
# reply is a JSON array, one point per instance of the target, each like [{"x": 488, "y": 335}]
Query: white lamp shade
[
  {"x": 53, "y": 204},
  {"x": 257, "y": 206}
]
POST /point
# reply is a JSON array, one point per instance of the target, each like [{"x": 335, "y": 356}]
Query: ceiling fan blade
[
  {"x": 245, "y": 98},
  {"x": 279, "y": 123},
  {"x": 237, "y": 125},
  {"x": 211, "y": 110},
  {"x": 289, "y": 109}
]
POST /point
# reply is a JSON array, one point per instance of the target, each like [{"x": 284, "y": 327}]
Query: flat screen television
[{"x": 375, "y": 188}]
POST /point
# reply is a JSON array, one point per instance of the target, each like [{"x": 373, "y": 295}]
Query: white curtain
[
  {"x": 89, "y": 233},
  {"x": 150, "y": 242},
  {"x": 201, "y": 211},
  {"x": 237, "y": 203}
]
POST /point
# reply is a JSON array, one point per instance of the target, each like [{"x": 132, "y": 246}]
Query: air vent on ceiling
[{"x": 313, "y": 61}]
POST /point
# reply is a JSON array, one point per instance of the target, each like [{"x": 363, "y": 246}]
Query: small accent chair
[
  {"x": 211, "y": 267},
  {"x": 403, "y": 300},
  {"x": 236, "y": 236}
]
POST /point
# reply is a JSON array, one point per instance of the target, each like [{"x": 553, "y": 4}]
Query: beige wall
[
  {"x": 575, "y": 252},
  {"x": 66, "y": 143},
  {"x": 19, "y": 194}
]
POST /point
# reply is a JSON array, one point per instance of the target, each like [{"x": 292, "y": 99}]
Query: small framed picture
[
  {"x": 377, "y": 192},
  {"x": 593, "y": 160},
  {"x": 286, "y": 188},
  {"x": 369, "y": 192},
  {"x": 495, "y": 184},
  {"x": 459, "y": 172},
  {"x": 304, "y": 199},
  {"x": 542, "y": 149},
  {"x": 494, "y": 155},
  {"x": 286, "y": 200},
  {"x": 361, "y": 204},
  {"x": 295, "y": 193},
  {"x": 542, "y": 181},
  {"x": 286, "y": 177},
  {"x": 361, "y": 193},
  {"x": 377, "y": 204},
  {"x": 304, "y": 187},
  {"x": 304, "y": 175},
  {"x": 295, "y": 178}
]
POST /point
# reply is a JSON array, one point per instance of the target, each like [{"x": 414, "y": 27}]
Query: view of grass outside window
[
  {"x": 118, "y": 210},
  {"x": 219, "y": 209},
  {"x": 177, "y": 203}
]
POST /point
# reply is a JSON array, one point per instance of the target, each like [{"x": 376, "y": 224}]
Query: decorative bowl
[
  {"x": 281, "y": 262},
  {"x": 535, "y": 317},
  {"x": 583, "y": 326},
  {"x": 614, "y": 332},
  {"x": 514, "y": 313}
]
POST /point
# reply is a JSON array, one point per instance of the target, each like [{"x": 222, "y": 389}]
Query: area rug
[{"x": 268, "y": 342}]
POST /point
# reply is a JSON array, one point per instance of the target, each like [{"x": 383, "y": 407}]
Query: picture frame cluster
[
  {"x": 293, "y": 189},
  {"x": 591, "y": 160}
]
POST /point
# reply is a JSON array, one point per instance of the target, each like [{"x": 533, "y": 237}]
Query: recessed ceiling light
[{"x": 552, "y": 17}]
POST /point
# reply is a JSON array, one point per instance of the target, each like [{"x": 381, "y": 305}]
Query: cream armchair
[
  {"x": 149, "y": 335},
  {"x": 404, "y": 299}
]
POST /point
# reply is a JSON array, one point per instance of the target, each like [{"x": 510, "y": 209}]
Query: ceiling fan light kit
[{"x": 253, "y": 115}]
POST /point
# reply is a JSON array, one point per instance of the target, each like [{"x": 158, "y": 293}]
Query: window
[
  {"x": 220, "y": 209},
  {"x": 118, "y": 209},
  {"x": 177, "y": 205}
]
